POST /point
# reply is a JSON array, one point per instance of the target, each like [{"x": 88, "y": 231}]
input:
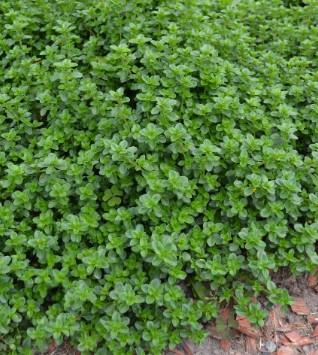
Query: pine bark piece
[
  {"x": 297, "y": 339},
  {"x": 300, "y": 307},
  {"x": 312, "y": 280},
  {"x": 312, "y": 319},
  {"x": 315, "y": 332},
  {"x": 244, "y": 326},
  {"x": 286, "y": 350},
  {"x": 294, "y": 336},
  {"x": 225, "y": 344}
]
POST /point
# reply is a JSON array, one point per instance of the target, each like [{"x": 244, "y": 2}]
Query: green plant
[{"x": 157, "y": 158}]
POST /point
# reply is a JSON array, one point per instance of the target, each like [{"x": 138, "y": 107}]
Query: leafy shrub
[{"x": 157, "y": 158}]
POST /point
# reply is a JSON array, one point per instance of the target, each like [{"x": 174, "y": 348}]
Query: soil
[{"x": 298, "y": 288}]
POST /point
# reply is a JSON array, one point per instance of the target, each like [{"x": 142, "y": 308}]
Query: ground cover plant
[{"x": 158, "y": 159}]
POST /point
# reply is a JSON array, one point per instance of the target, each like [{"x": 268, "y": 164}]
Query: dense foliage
[{"x": 157, "y": 158}]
